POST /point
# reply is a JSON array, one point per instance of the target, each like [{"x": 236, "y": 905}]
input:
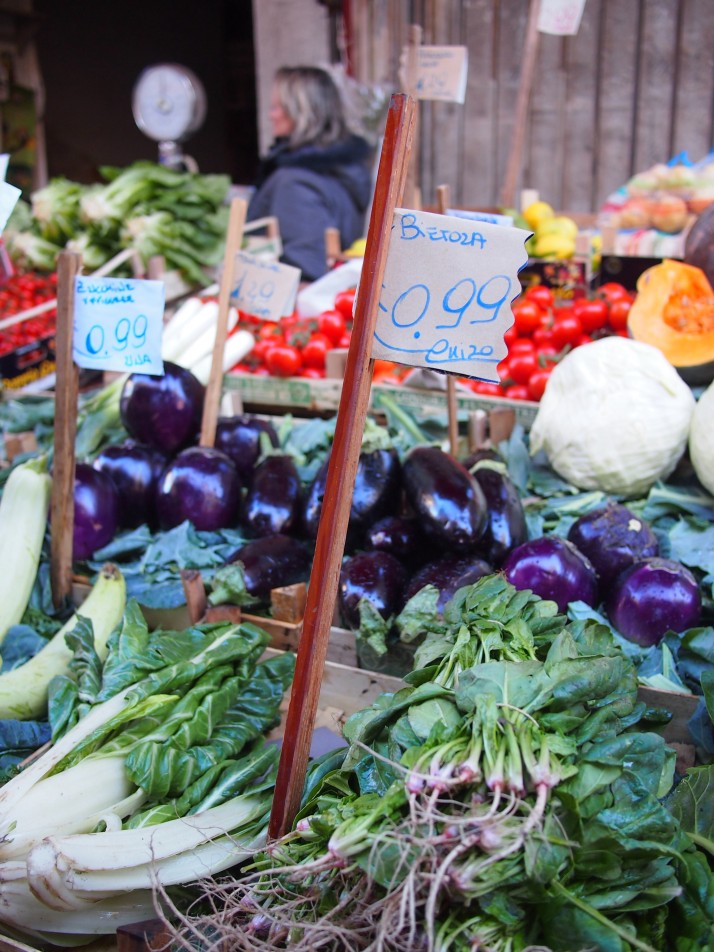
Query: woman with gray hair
[{"x": 317, "y": 173}]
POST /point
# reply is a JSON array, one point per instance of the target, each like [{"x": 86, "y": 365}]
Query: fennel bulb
[
  {"x": 615, "y": 416},
  {"x": 701, "y": 439}
]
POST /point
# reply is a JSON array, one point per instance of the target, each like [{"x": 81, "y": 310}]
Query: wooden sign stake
[
  {"x": 66, "y": 394},
  {"x": 442, "y": 198},
  {"x": 412, "y": 197},
  {"x": 528, "y": 61},
  {"x": 351, "y": 415},
  {"x": 214, "y": 388}
]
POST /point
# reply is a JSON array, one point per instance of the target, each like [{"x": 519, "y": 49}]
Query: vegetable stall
[{"x": 521, "y": 752}]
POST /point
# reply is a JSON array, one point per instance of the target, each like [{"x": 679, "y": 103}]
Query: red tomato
[
  {"x": 592, "y": 314},
  {"x": 314, "y": 352},
  {"x": 518, "y": 392},
  {"x": 527, "y": 316},
  {"x": 537, "y": 382},
  {"x": 332, "y": 325},
  {"x": 618, "y": 314},
  {"x": 522, "y": 367},
  {"x": 540, "y": 295},
  {"x": 312, "y": 373},
  {"x": 583, "y": 339},
  {"x": 487, "y": 389},
  {"x": 612, "y": 291},
  {"x": 344, "y": 341},
  {"x": 283, "y": 360},
  {"x": 510, "y": 335},
  {"x": 567, "y": 330},
  {"x": 521, "y": 345},
  {"x": 344, "y": 302},
  {"x": 543, "y": 335}
]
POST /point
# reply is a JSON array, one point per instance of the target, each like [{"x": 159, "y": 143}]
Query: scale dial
[{"x": 168, "y": 102}]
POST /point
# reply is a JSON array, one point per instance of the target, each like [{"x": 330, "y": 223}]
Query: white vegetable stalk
[
  {"x": 24, "y": 508},
  {"x": 614, "y": 417},
  {"x": 23, "y": 690},
  {"x": 176, "y": 342},
  {"x": 202, "y": 346},
  {"x": 701, "y": 439},
  {"x": 237, "y": 348}
]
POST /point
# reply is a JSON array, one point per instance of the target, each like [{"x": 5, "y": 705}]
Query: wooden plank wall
[{"x": 633, "y": 88}]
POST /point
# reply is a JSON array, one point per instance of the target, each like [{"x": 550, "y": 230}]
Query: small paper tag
[
  {"x": 118, "y": 324},
  {"x": 9, "y": 195},
  {"x": 265, "y": 289},
  {"x": 447, "y": 292},
  {"x": 442, "y": 73},
  {"x": 4, "y": 160},
  {"x": 560, "y": 17}
]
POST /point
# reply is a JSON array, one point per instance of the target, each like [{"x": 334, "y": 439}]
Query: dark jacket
[{"x": 310, "y": 189}]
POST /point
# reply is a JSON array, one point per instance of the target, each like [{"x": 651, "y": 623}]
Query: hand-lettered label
[
  {"x": 446, "y": 296},
  {"x": 118, "y": 324},
  {"x": 442, "y": 73},
  {"x": 266, "y": 289}
]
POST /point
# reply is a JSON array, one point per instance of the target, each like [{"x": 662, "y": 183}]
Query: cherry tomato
[
  {"x": 583, "y": 339},
  {"x": 487, "y": 389},
  {"x": 540, "y": 295},
  {"x": 344, "y": 341},
  {"x": 522, "y": 367},
  {"x": 618, "y": 314},
  {"x": 521, "y": 345},
  {"x": 510, "y": 335},
  {"x": 567, "y": 330},
  {"x": 312, "y": 373},
  {"x": 344, "y": 302},
  {"x": 593, "y": 314},
  {"x": 527, "y": 316},
  {"x": 332, "y": 325},
  {"x": 612, "y": 291},
  {"x": 314, "y": 352},
  {"x": 282, "y": 360},
  {"x": 537, "y": 382},
  {"x": 518, "y": 392},
  {"x": 543, "y": 335},
  {"x": 270, "y": 331}
]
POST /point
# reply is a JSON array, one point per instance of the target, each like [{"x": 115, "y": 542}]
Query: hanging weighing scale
[{"x": 169, "y": 104}]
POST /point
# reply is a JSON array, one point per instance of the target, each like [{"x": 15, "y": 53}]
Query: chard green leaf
[
  {"x": 439, "y": 711},
  {"x": 693, "y": 545},
  {"x": 229, "y": 588},
  {"x": 373, "y": 627},
  {"x": 692, "y": 804},
  {"x": 420, "y": 616}
]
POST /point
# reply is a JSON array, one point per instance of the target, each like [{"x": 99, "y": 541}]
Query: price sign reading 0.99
[
  {"x": 118, "y": 324},
  {"x": 446, "y": 296}
]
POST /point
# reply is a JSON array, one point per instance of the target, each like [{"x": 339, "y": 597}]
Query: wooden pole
[
  {"x": 351, "y": 414},
  {"x": 412, "y": 198},
  {"x": 528, "y": 61},
  {"x": 63, "y": 459},
  {"x": 442, "y": 200},
  {"x": 212, "y": 400}
]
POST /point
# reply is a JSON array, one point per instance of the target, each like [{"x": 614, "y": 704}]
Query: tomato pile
[
  {"x": 295, "y": 346},
  {"x": 543, "y": 333},
  {"x": 21, "y": 292}
]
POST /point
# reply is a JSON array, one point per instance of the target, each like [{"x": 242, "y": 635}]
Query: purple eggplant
[
  {"x": 272, "y": 562},
  {"x": 651, "y": 597},
  {"x": 506, "y": 519},
  {"x": 240, "y": 438},
  {"x": 613, "y": 537},
  {"x": 200, "y": 485},
  {"x": 446, "y": 499},
  {"x": 401, "y": 536},
  {"x": 448, "y": 574},
  {"x": 554, "y": 569},
  {"x": 96, "y": 511},
  {"x": 377, "y": 576},
  {"x": 312, "y": 501},
  {"x": 163, "y": 411},
  {"x": 135, "y": 470},
  {"x": 272, "y": 502}
]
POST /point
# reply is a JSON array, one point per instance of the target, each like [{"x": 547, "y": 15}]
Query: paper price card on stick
[
  {"x": 446, "y": 296},
  {"x": 441, "y": 73},
  {"x": 118, "y": 323},
  {"x": 266, "y": 289},
  {"x": 560, "y": 17},
  {"x": 9, "y": 195}
]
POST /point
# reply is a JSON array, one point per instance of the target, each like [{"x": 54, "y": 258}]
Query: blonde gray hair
[{"x": 311, "y": 99}]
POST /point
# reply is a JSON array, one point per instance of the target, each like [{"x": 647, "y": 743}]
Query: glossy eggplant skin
[
  {"x": 506, "y": 519},
  {"x": 163, "y": 411},
  {"x": 312, "y": 501},
  {"x": 272, "y": 502},
  {"x": 377, "y": 576},
  {"x": 448, "y": 574},
  {"x": 96, "y": 511},
  {"x": 239, "y": 438},
  {"x": 135, "y": 470},
  {"x": 401, "y": 536},
  {"x": 200, "y": 485},
  {"x": 446, "y": 499},
  {"x": 271, "y": 562},
  {"x": 554, "y": 569},
  {"x": 613, "y": 537}
]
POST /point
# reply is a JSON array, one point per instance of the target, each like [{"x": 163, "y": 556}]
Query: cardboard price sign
[
  {"x": 118, "y": 323},
  {"x": 442, "y": 73},
  {"x": 266, "y": 289},
  {"x": 446, "y": 297}
]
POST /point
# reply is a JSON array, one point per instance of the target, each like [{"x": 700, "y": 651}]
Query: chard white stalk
[
  {"x": 24, "y": 508},
  {"x": 202, "y": 346},
  {"x": 23, "y": 690},
  {"x": 183, "y": 315},
  {"x": 238, "y": 346},
  {"x": 175, "y": 343}
]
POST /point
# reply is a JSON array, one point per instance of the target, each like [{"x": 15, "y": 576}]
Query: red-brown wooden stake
[
  {"x": 66, "y": 393},
  {"x": 214, "y": 389},
  {"x": 351, "y": 414},
  {"x": 442, "y": 199}
]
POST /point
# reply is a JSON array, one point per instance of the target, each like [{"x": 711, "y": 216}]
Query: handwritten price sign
[
  {"x": 118, "y": 324},
  {"x": 447, "y": 292},
  {"x": 264, "y": 288}
]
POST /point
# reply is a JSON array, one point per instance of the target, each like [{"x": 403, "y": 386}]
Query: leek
[
  {"x": 23, "y": 690},
  {"x": 24, "y": 509}
]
